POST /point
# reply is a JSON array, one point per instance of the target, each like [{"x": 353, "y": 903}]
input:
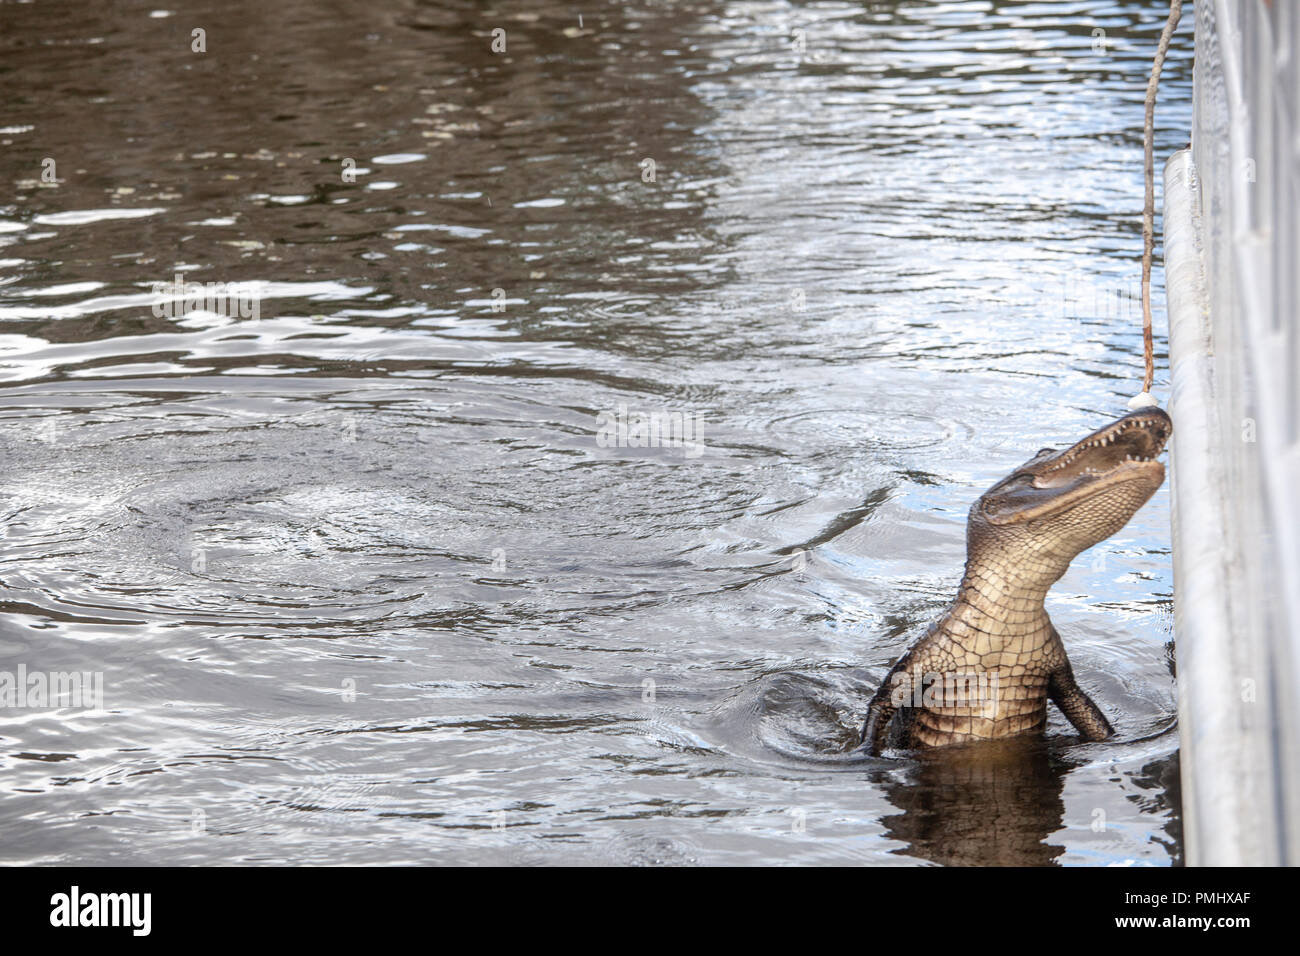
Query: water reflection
[{"x": 994, "y": 805}]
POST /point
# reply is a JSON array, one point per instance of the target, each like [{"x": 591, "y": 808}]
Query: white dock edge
[{"x": 1232, "y": 275}]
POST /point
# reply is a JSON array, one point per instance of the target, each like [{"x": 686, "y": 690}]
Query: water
[{"x": 361, "y": 581}]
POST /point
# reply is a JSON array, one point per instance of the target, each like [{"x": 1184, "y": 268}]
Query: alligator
[{"x": 988, "y": 665}]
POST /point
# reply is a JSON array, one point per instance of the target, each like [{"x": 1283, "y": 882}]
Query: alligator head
[{"x": 1060, "y": 503}]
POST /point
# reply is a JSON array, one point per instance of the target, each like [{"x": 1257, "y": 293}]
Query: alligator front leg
[
  {"x": 882, "y": 708},
  {"x": 1076, "y": 705},
  {"x": 879, "y": 714}
]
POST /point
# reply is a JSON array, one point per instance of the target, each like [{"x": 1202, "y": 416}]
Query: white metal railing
[{"x": 1232, "y": 256}]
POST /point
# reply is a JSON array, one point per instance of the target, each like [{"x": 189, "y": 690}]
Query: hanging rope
[{"x": 1149, "y": 210}]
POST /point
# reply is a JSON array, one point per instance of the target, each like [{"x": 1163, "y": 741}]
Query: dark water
[{"x": 363, "y": 581}]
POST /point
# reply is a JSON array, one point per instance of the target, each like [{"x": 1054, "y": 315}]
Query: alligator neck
[{"x": 1008, "y": 603}]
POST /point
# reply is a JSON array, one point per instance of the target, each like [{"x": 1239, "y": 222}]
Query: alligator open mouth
[
  {"x": 1055, "y": 481},
  {"x": 1138, "y": 437}
]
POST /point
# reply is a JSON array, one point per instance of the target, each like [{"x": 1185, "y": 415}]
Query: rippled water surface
[{"x": 363, "y": 576}]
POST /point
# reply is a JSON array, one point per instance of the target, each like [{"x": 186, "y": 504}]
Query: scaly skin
[{"x": 987, "y": 667}]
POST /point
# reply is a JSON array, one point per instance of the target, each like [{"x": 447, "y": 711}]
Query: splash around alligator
[{"x": 987, "y": 666}]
